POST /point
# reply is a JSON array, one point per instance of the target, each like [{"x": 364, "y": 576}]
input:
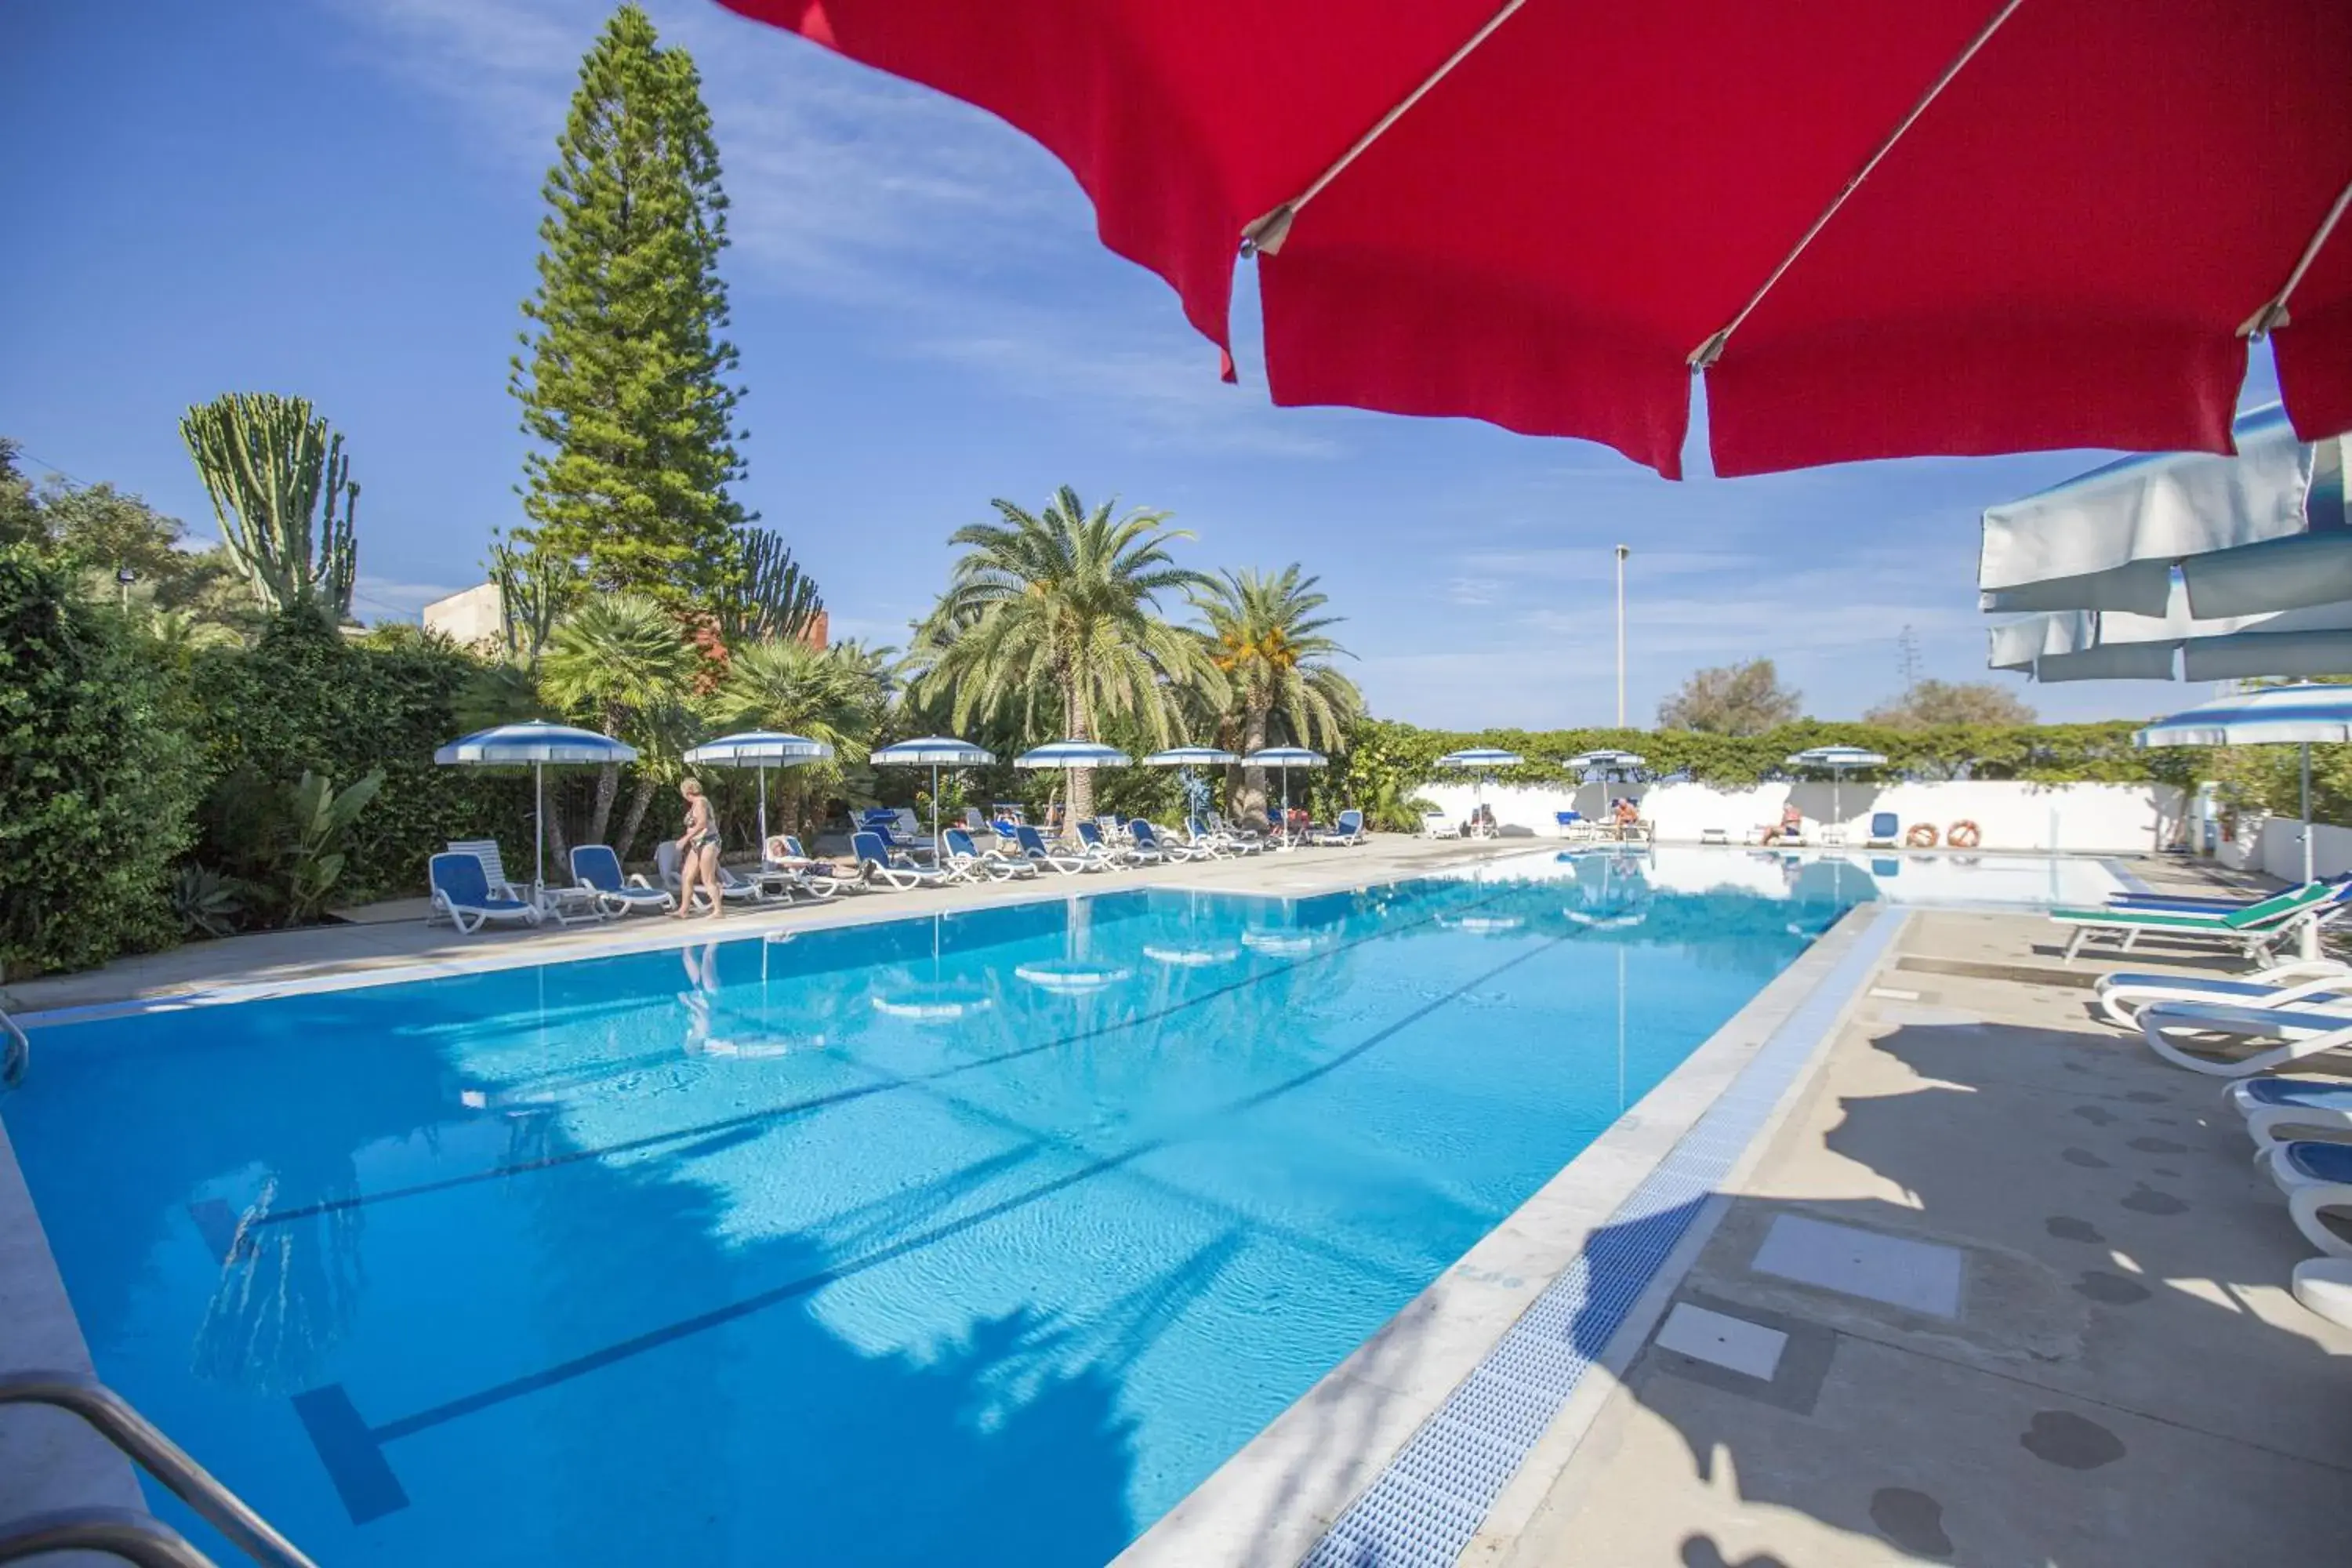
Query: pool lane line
[
  {"x": 351, "y": 1452},
  {"x": 843, "y": 1096}
]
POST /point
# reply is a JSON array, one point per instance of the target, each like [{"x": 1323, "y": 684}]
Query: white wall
[
  {"x": 2081, "y": 817},
  {"x": 2274, "y": 845}
]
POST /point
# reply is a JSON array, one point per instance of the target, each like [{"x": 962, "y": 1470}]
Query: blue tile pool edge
[{"x": 1398, "y": 1456}]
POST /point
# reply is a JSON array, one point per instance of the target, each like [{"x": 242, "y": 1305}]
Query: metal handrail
[
  {"x": 111, "y": 1417},
  {"x": 15, "y": 1052},
  {"x": 134, "y": 1537}
]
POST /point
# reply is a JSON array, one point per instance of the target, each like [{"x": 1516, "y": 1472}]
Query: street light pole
[{"x": 1622, "y": 552}]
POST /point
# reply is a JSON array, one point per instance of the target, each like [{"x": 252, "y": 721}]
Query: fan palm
[
  {"x": 1267, "y": 640},
  {"x": 836, "y": 695},
  {"x": 1053, "y": 616},
  {"x": 620, "y": 662}
]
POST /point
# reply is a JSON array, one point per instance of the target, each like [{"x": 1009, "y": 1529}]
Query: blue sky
[{"x": 338, "y": 198}]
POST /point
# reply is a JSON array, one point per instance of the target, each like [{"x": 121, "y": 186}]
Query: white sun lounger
[
  {"x": 2120, "y": 996},
  {"x": 2302, "y": 1032},
  {"x": 2279, "y": 1101},
  {"x": 2316, "y": 1179}
]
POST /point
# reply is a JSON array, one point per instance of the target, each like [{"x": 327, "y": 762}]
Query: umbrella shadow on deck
[{"x": 2036, "y": 1313}]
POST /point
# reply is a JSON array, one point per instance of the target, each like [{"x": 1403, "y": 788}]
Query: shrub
[
  {"x": 303, "y": 699},
  {"x": 96, "y": 779}
]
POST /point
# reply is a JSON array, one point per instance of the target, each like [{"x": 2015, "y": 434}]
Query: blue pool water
[{"x": 976, "y": 1238}]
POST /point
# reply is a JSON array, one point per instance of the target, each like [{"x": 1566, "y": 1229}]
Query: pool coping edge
[{"x": 1274, "y": 1500}]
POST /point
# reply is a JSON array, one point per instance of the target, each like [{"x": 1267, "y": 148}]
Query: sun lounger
[
  {"x": 1438, "y": 825},
  {"x": 1033, "y": 849},
  {"x": 2279, "y": 1101},
  {"x": 878, "y": 863},
  {"x": 2207, "y": 904},
  {"x": 963, "y": 861},
  {"x": 1147, "y": 837},
  {"x": 1348, "y": 830},
  {"x": 2120, "y": 996},
  {"x": 595, "y": 867},
  {"x": 1098, "y": 844},
  {"x": 2254, "y": 929},
  {"x": 2316, "y": 1178},
  {"x": 461, "y": 892},
  {"x": 2302, "y": 1032},
  {"x": 731, "y": 886}
]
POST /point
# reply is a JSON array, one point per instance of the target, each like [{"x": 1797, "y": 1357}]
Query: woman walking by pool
[{"x": 697, "y": 853}]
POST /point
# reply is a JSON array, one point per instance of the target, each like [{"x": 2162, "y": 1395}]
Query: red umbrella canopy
[{"x": 1882, "y": 230}]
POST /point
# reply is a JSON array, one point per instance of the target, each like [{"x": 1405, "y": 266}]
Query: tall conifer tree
[{"x": 625, "y": 386}]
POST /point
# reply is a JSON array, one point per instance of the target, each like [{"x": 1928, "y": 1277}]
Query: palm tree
[
  {"x": 1058, "y": 611},
  {"x": 623, "y": 663},
  {"x": 1267, "y": 641},
  {"x": 836, "y": 696}
]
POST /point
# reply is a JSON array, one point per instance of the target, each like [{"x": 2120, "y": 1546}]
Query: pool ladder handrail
[
  {"x": 132, "y": 1536},
  {"x": 15, "y": 1052}
]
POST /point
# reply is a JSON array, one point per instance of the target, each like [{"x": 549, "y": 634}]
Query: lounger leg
[
  {"x": 2074, "y": 942},
  {"x": 2308, "y": 1204}
]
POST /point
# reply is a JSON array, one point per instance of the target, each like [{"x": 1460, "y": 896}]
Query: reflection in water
[{"x": 287, "y": 1294}]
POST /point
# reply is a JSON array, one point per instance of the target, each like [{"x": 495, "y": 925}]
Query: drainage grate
[{"x": 1422, "y": 1510}]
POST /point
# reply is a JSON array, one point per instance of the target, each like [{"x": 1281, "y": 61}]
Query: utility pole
[
  {"x": 1907, "y": 654},
  {"x": 1622, "y": 552}
]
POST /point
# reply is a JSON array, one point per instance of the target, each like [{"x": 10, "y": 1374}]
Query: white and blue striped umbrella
[
  {"x": 534, "y": 740},
  {"x": 1604, "y": 761},
  {"x": 537, "y": 742},
  {"x": 1190, "y": 757},
  {"x": 1073, "y": 754},
  {"x": 1836, "y": 759},
  {"x": 2273, "y": 715},
  {"x": 761, "y": 749},
  {"x": 935, "y": 751},
  {"x": 1486, "y": 759},
  {"x": 2305, "y": 716}
]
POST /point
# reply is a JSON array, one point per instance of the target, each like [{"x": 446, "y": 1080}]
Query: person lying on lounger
[{"x": 1791, "y": 825}]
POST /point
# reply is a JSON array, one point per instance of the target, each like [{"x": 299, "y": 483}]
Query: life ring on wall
[
  {"x": 1963, "y": 835},
  {"x": 1921, "y": 836}
]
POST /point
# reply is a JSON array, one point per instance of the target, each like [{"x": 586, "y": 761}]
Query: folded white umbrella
[{"x": 2264, "y": 530}]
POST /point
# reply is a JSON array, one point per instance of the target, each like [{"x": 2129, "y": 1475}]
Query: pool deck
[
  {"x": 2120, "y": 1374},
  {"x": 1990, "y": 1284}
]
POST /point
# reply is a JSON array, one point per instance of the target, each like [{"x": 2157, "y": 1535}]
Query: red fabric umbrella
[{"x": 1882, "y": 230}]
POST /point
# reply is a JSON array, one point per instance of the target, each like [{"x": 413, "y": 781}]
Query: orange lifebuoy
[
  {"x": 1922, "y": 835},
  {"x": 1963, "y": 835}
]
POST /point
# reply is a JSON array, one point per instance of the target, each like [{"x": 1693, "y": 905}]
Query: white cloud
[{"x": 924, "y": 216}]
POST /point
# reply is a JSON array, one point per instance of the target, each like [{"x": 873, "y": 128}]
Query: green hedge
[
  {"x": 303, "y": 696},
  {"x": 96, "y": 777}
]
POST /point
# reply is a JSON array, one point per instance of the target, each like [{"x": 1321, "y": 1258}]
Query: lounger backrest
[
  {"x": 1090, "y": 835},
  {"x": 1031, "y": 842},
  {"x": 973, "y": 822},
  {"x": 793, "y": 846},
  {"x": 960, "y": 844},
  {"x": 666, "y": 862},
  {"x": 596, "y": 865},
  {"x": 1883, "y": 825},
  {"x": 486, "y": 851},
  {"x": 1143, "y": 833},
  {"x": 868, "y": 846},
  {"x": 2279, "y": 904},
  {"x": 457, "y": 876},
  {"x": 1352, "y": 822}
]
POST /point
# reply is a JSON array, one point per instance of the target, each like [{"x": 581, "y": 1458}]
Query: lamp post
[
  {"x": 1622, "y": 552},
  {"x": 124, "y": 577}
]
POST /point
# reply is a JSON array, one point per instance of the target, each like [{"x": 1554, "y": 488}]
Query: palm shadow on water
[{"x": 2109, "y": 1347}]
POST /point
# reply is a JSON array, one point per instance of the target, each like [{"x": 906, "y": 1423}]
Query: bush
[
  {"x": 304, "y": 699},
  {"x": 96, "y": 779}
]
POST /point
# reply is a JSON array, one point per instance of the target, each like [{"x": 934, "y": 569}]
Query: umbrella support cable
[
  {"x": 1265, "y": 236},
  {"x": 2274, "y": 313},
  {"x": 1708, "y": 353}
]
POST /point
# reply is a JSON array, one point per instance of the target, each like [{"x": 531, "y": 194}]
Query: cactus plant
[{"x": 281, "y": 487}]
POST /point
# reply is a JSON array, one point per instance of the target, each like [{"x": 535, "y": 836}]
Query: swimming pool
[{"x": 981, "y": 1237}]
